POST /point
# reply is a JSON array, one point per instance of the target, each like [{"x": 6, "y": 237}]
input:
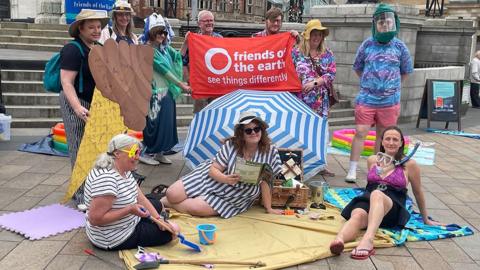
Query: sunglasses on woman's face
[
  {"x": 133, "y": 152},
  {"x": 249, "y": 131}
]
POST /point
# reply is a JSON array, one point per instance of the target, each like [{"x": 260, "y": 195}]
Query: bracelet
[{"x": 315, "y": 83}]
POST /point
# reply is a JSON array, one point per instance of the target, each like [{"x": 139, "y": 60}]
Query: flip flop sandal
[
  {"x": 158, "y": 192},
  {"x": 336, "y": 247},
  {"x": 159, "y": 189},
  {"x": 370, "y": 252}
]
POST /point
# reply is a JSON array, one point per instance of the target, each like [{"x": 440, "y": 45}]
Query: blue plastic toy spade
[
  {"x": 179, "y": 235},
  {"x": 188, "y": 243}
]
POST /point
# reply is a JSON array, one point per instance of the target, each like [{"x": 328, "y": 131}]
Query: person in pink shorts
[{"x": 382, "y": 63}]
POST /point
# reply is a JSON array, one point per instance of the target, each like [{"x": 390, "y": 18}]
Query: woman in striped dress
[
  {"x": 214, "y": 189},
  {"x": 118, "y": 211}
]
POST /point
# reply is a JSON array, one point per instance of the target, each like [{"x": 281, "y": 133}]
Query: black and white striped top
[
  {"x": 102, "y": 182},
  {"x": 227, "y": 200}
]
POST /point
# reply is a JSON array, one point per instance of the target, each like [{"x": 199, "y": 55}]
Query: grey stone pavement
[{"x": 451, "y": 186}]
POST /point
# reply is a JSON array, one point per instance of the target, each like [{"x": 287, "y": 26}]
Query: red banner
[{"x": 222, "y": 65}]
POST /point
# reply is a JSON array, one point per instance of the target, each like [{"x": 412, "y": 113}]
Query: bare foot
[
  {"x": 275, "y": 211},
  {"x": 364, "y": 249},
  {"x": 336, "y": 246}
]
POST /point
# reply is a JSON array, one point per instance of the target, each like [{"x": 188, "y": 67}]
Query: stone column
[{"x": 49, "y": 11}]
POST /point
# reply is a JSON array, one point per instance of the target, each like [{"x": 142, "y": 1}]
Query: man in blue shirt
[{"x": 382, "y": 63}]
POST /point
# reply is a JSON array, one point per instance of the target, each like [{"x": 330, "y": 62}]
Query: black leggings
[{"x": 147, "y": 233}]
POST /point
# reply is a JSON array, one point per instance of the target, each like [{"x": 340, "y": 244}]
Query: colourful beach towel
[
  {"x": 423, "y": 156},
  {"x": 415, "y": 230},
  {"x": 454, "y": 132}
]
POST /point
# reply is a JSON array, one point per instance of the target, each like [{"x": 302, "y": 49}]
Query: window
[
  {"x": 222, "y": 6},
  {"x": 236, "y": 5},
  {"x": 189, "y": 3},
  {"x": 249, "y": 9},
  {"x": 205, "y": 4}
]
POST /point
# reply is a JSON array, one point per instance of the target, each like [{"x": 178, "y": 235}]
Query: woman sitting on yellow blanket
[
  {"x": 214, "y": 189},
  {"x": 383, "y": 202}
]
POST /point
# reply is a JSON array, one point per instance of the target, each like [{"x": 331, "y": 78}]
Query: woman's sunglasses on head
[{"x": 249, "y": 131}]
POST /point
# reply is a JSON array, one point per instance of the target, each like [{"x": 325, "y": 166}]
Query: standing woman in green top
[{"x": 160, "y": 133}]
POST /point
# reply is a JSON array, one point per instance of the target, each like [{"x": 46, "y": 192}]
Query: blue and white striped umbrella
[{"x": 292, "y": 124}]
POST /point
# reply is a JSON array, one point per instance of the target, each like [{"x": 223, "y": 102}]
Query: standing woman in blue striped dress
[{"x": 213, "y": 189}]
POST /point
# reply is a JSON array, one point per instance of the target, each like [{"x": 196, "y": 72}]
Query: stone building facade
[{"x": 224, "y": 10}]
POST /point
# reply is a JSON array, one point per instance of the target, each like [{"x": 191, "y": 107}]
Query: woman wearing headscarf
[
  {"x": 316, "y": 68},
  {"x": 122, "y": 24},
  {"x": 160, "y": 133},
  {"x": 77, "y": 93}
]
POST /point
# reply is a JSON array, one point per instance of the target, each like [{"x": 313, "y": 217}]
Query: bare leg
[
  {"x": 380, "y": 204},
  {"x": 267, "y": 199},
  {"x": 175, "y": 194},
  {"x": 361, "y": 132},
  {"x": 195, "y": 207},
  {"x": 358, "y": 221},
  {"x": 378, "y": 139},
  {"x": 177, "y": 199},
  {"x": 349, "y": 231}
]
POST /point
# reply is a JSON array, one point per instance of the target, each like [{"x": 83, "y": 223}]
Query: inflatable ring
[
  {"x": 136, "y": 134},
  {"x": 57, "y": 138},
  {"x": 59, "y": 130},
  {"x": 342, "y": 139},
  {"x": 62, "y": 147}
]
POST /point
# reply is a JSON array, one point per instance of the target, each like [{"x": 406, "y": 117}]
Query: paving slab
[
  {"x": 31, "y": 255},
  {"x": 395, "y": 262},
  {"x": 450, "y": 251},
  {"x": 67, "y": 262},
  {"x": 429, "y": 259}
]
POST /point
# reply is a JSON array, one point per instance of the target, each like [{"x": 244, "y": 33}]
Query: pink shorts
[{"x": 372, "y": 116}]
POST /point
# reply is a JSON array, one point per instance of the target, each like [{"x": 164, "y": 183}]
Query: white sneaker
[
  {"x": 351, "y": 177},
  {"x": 147, "y": 159},
  {"x": 162, "y": 159}
]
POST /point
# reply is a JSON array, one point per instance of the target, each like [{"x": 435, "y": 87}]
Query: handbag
[{"x": 333, "y": 95}]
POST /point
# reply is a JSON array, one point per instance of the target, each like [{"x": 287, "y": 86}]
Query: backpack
[{"x": 51, "y": 76}]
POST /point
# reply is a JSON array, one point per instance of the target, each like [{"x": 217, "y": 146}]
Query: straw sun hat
[
  {"x": 88, "y": 14},
  {"x": 314, "y": 25}
]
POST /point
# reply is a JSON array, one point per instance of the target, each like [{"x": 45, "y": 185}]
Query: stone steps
[
  {"x": 30, "y": 47},
  {"x": 33, "y": 33},
  {"x": 34, "y": 40}
]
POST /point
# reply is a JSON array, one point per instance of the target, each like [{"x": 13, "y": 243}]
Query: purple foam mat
[{"x": 43, "y": 221}]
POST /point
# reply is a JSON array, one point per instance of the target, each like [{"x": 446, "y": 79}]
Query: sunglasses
[
  {"x": 133, "y": 152},
  {"x": 249, "y": 131},
  {"x": 384, "y": 158}
]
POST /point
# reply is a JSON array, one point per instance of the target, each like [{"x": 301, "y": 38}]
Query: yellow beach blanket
[{"x": 278, "y": 241}]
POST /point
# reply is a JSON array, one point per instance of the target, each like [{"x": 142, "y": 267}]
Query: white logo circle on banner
[{"x": 208, "y": 60}]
